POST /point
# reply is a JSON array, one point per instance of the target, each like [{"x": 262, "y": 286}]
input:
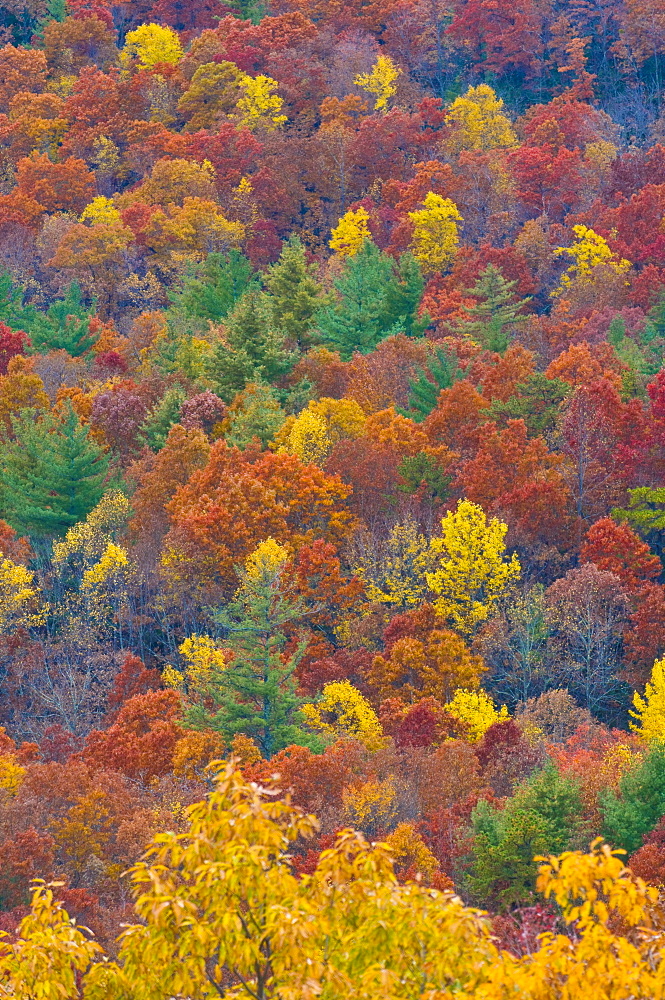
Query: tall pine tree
[
  {"x": 376, "y": 298},
  {"x": 295, "y": 295},
  {"x": 439, "y": 374},
  {"x": 212, "y": 289},
  {"x": 496, "y": 311},
  {"x": 252, "y": 351},
  {"x": 64, "y": 326},
  {"x": 255, "y": 694},
  {"x": 51, "y": 474}
]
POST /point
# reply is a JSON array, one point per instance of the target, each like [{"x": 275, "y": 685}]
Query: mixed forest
[{"x": 332, "y": 499}]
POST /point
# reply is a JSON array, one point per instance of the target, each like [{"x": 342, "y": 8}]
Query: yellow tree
[
  {"x": 477, "y": 121},
  {"x": 471, "y": 571},
  {"x": 308, "y": 438},
  {"x": 435, "y": 234},
  {"x": 397, "y": 573},
  {"x": 214, "y": 91},
  {"x": 259, "y": 105},
  {"x": 49, "y": 953},
  {"x": 202, "y": 659},
  {"x": 380, "y": 82},
  {"x": 150, "y": 44},
  {"x": 17, "y": 595},
  {"x": 350, "y": 233},
  {"x": 101, "y": 210},
  {"x": 589, "y": 251},
  {"x": 650, "y": 714},
  {"x": 221, "y": 912},
  {"x": 343, "y": 712},
  {"x": 476, "y": 712},
  {"x": 344, "y": 418}
]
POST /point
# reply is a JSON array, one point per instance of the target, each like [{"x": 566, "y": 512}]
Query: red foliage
[
  {"x": 134, "y": 678},
  {"x": 619, "y": 550},
  {"x": 141, "y": 741},
  {"x": 12, "y": 342}
]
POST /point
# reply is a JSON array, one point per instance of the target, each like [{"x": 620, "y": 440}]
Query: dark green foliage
[
  {"x": 377, "y": 298},
  {"x": 52, "y": 474},
  {"x": 256, "y": 694},
  {"x": 252, "y": 352},
  {"x": 211, "y": 290},
  {"x": 639, "y": 805},
  {"x": 295, "y": 295},
  {"x": 56, "y": 10},
  {"x": 162, "y": 417},
  {"x": 440, "y": 374},
  {"x": 422, "y": 472},
  {"x": 541, "y": 818},
  {"x": 496, "y": 311},
  {"x": 64, "y": 326},
  {"x": 247, "y": 10},
  {"x": 537, "y": 402},
  {"x": 403, "y": 297}
]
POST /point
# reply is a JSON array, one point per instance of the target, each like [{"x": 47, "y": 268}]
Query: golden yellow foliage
[
  {"x": 344, "y": 713},
  {"x": 266, "y": 562},
  {"x": 17, "y": 594},
  {"x": 476, "y": 711},
  {"x": 221, "y": 904},
  {"x": 397, "y": 572},
  {"x": 101, "y": 210},
  {"x": 48, "y": 954},
  {"x": 259, "y": 105},
  {"x": 410, "y": 850},
  {"x": 88, "y": 539},
  {"x": 380, "y": 82},
  {"x": 370, "y": 806},
  {"x": 588, "y": 252},
  {"x": 650, "y": 712},
  {"x": 471, "y": 572},
  {"x": 150, "y": 44},
  {"x": 308, "y": 438},
  {"x": 350, "y": 233},
  {"x": 344, "y": 418},
  {"x": 435, "y": 234},
  {"x": 202, "y": 657},
  {"x": 477, "y": 121},
  {"x": 11, "y": 774},
  {"x": 108, "y": 570}
]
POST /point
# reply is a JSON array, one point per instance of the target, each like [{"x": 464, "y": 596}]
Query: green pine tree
[
  {"x": 496, "y": 311},
  {"x": 64, "y": 326},
  {"x": 422, "y": 471},
  {"x": 404, "y": 295},
  {"x": 537, "y": 402},
  {"x": 256, "y": 693},
  {"x": 376, "y": 298},
  {"x": 212, "y": 289},
  {"x": 161, "y": 419},
  {"x": 252, "y": 352},
  {"x": 56, "y": 10},
  {"x": 441, "y": 373},
  {"x": 541, "y": 818},
  {"x": 51, "y": 474},
  {"x": 295, "y": 295},
  {"x": 639, "y": 805}
]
